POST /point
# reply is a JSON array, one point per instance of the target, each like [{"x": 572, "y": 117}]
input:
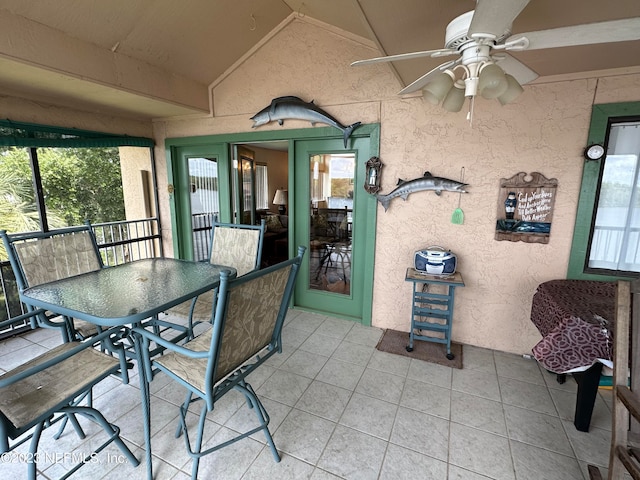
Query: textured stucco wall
[
  {"x": 545, "y": 130},
  {"x": 135, "y": 162}
]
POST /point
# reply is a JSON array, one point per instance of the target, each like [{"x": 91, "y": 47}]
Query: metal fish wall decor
[
  {"x": 426, "y": 182},
  {"x": 294, "y": 108}
]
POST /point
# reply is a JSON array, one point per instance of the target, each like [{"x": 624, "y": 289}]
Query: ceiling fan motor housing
[{"x": 457, "y": 32}]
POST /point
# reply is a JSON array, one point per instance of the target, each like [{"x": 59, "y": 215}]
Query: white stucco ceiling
[{"x": 156, "y": 58}]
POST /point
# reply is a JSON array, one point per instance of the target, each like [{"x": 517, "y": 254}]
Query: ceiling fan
[{"x": 480, "y": 40}]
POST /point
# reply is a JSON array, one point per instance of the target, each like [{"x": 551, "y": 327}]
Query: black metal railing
[
  {"x": 201, "y": 227},
  {"x": 126, "y": 241}
]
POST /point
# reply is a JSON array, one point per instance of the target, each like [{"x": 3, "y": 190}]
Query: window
[
  {"x": 262, "y": 187},
  {"x": 74, "y": 185},
  {"x": 615, "y": 236},
  {"x": 51, "y": 177},
  {"x": 318, "y": 178},
  {"x": 607, "y": 230}
]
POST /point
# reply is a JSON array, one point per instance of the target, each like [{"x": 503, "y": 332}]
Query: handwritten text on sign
[{"x": 535, "y": 206}]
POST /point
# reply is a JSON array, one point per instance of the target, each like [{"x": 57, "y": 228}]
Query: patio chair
[
  {"x": 246, "y": 331},
  {"x": 41, "y": 257},
  {"x": 43, "y": 390},
  {"x": 624, "y": 456},
  {"x": 233, "y": 245}
]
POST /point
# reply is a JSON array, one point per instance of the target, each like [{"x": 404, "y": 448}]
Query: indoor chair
[
  {"x": 42, "y": 257},
  {"x": 233, "y": 245},
  {"x": 248, "y": 316},
  {"x": 624, "y": 454},
  {"x": 45, "y": 389}
]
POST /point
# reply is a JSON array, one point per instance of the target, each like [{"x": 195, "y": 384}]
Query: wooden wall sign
[{"x": 525, "y": 208}]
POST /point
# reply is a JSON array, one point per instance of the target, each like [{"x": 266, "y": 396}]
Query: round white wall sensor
[{"x": 594, "y": 152}]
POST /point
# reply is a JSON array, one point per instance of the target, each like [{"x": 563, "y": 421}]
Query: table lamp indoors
[{"x": 280, "y": 199}]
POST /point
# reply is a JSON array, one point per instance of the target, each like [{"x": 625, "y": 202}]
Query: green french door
[
  {"x": 200, "y": 186},
  {"x": 335, "y": 220}
]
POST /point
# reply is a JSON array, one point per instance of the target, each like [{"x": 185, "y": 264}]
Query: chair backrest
[
  {"x": 249, "y": 316},
  {"x": 238, "y": 246},
  {"x": 41, "y": 257}
]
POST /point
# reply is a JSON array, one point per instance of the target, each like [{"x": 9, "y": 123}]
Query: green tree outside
[{"x": 79, "y": 184}]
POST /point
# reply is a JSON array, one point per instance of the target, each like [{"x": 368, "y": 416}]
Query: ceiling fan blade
[
  {"x": 516, "y": 68},
  {"x": 624, "y": 30},
  {"x": 406, "y": 56},
  {"x": 427, "y": 77},
  {"x": 494, "y": 17}
]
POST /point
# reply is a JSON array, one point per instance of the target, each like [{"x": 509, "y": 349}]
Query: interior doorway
[
  {"x": 260, "y": 182},
  {"x": 263, "y": 164}
]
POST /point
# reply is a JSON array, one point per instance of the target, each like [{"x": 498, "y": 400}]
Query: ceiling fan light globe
[
  {"x": 514, "y": 89},
  {"x": 454, "y": 100},
  {"x": 437, "y": 89},
  {"x": 492, "y": 82}
]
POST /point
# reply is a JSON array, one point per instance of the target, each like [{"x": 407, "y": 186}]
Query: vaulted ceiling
[{"x": 156, "y": 58}]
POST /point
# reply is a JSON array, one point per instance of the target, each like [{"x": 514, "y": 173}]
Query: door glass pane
[
  {"x": 248, "y": 197},
  {"x": 330, "y": 233},
  {"x": 203, "y": 175},
  {"x": 262, "y": 188},
  {"x": 615, "y": 243}
]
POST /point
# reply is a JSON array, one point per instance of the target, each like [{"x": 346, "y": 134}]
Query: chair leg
[
  {"x": 185, "y": 407},
  {"x": 197, "y": 452},
  {"x": 33, "y": 448},
  {"x": 112, "y": 430},
  {"x": 242, "y": 385},
  {"x": 263, "y": 417},
  {"x": 252, "y": 402},
  {"x": 71, "y": 417}
]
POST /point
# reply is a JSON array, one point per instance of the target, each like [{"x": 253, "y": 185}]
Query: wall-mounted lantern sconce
[{"x": 372, "y": 182}]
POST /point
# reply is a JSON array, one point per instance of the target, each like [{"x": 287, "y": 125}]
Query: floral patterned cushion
[
  {"x": 273, "y": 223},
  {"x": 48, "y": 259},
  {"x": 236, "y": 248},
  {"x": 249, "y": 327}
]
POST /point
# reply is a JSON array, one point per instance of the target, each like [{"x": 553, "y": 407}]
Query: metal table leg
[{"x": 145, "y": 397}]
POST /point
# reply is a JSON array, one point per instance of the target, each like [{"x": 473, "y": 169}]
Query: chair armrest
[
  {"x": 67, "y": 351},
  {"x": 19, "y": 318},
  {"x": 152, "y": 337}
]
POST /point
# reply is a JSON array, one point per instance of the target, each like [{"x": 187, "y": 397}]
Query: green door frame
[
  {"x": 349, "y": 306},
  {"x": 179, "y": 191},
  {"x": 177, "y": 147}
]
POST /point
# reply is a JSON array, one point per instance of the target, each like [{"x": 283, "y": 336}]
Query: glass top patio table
[{"x": 126, "y": 293}]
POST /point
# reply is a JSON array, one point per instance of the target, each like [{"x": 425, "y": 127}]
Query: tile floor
[{"x": 341, "y": 409}]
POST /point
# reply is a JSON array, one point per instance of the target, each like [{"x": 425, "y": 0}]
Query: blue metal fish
[
  {"x": 294, "y": 108},
  {"x": 426, "y": 182}
]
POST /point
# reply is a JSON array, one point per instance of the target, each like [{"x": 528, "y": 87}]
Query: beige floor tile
[
  {"x": 324, "y": 400},
  {"x": 369, "y": 415},
  {"x": 533, "y": 462},
  {"x": 538, "y": 429},
  {"x": 340, "y": 409},
  {"x": 481, "y": 452},
  {"x": 422, "y": 433},
  {"x": 478, "y": 412},
  {"x": 352, "y": 454}
]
